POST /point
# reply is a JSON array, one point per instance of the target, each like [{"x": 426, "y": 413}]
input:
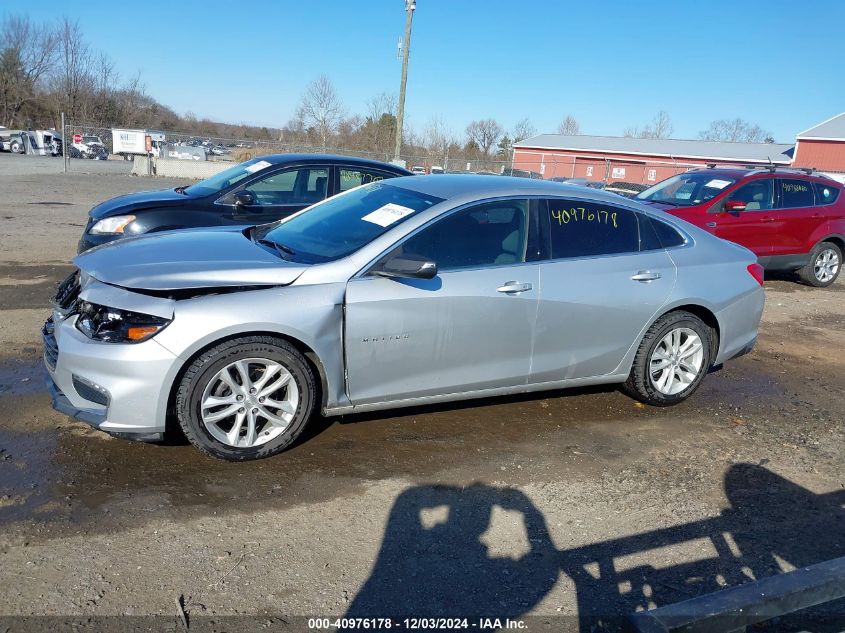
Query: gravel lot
[{"x": 576, "y": 503}]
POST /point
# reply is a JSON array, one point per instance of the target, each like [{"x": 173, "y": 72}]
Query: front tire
[
  {"x": 246, "y": 399},
  {"x": 823, "y": 266},
  {"x": 672, "y": 360}
]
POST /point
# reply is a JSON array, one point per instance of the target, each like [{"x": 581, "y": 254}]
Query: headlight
[
  {"x": 113, "y": 225},
  {"x": 112, "y": 325}
]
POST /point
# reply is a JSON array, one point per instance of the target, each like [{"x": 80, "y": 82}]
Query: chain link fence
[{"x": 194, "y": 156}]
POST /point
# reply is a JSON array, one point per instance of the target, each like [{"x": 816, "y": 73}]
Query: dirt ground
[{"x": 568, "y": 507}]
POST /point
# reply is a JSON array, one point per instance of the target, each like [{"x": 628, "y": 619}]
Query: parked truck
[{"x": 129, "y": 143}]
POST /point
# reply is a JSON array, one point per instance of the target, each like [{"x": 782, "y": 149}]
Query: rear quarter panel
[{"x": 714, "y": 274}]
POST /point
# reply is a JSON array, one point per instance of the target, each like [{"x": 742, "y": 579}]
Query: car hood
[
  {"x": 187, "y": 259},
  {"x": 135, "y": 201}
]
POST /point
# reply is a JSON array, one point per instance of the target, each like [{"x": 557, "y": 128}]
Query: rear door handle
[
  {"x": 514, "y": 287},
  {"x": 767, "y": 219},
  {"x": 646, "y": 275}
]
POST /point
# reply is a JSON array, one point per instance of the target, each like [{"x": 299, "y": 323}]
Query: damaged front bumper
[
  {"x": 119, "y": 389},
  {"x": 62, "y": 404}
]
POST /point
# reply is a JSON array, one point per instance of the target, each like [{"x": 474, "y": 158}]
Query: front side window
[
  {"x": 796, "y": 193},
  {"x": 757, "y": 195},
  {"x": 351, "y": 177},
  {"x": 227, "y": 177},
  {"x": 687, "y": 189},
  {"x": 490, "y": 234},
  {"x": 825, "y": 193},
  {"x": 586, "y": 229},
  {"x": 305, "y": 185},
  {"x": 343, "y": 224}
]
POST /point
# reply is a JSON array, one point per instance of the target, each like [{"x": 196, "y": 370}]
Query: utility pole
[{"x": 410, "y": 5}]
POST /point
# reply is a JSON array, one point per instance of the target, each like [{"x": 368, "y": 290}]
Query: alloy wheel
[
  {"x": 826, "y": 265},
  {"x": 249, "y": 402},
  {"x": 676, "y": 361}
]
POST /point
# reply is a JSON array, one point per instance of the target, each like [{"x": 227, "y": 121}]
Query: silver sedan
[{"x": 413, "y": 291}]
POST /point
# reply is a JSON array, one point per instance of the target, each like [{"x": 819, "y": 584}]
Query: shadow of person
[
  {"x": 434, "y": 560},
  {"x": 771, "y": 526}
]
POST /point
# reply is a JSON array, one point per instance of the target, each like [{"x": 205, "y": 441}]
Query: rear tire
[
  {"x": 246, "y": 399},
  {"x": 672, "y": 360},
  {"x": 823, "y": 265}
]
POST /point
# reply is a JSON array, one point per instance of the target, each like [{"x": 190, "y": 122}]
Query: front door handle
[
  {"x": 514, "y": 287},
  {"x": 767, "y": 219},
  {"x": 646, "y": 275}
]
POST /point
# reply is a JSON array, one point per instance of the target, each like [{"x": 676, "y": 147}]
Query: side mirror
[
  {"x": 734, "y": 206},
  {"x": 411, "y": 266},
  {"x": 244, "y": 199}
]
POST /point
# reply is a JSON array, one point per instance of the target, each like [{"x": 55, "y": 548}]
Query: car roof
[
  {"x": 449, "y": 186},
  {"x": 743, "y": 172},
  {"x": 278, "y": 159}
]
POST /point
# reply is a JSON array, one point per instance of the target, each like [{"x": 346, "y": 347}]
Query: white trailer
[{"x": 129, "y": 143}]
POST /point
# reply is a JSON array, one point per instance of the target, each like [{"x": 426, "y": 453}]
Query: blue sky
[{"x": 612, "y": 64}]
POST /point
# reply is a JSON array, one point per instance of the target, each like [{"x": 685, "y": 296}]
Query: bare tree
[
  {"x": 737, "y": 130},
  {"x": 379, "y": 129},
  {"x": 321, "y": 108},
  {"x": 522, "y": 130},
  {"x": 660, "y": 126},
  {"x": 383, "y": 103},
  {"x": 569, "y": 126},
  {"x": 439, "y": 139},
  {"x": 484, "y": 133},
  {"x": 75, "y": 74},
  {"x": 27, "y": 54}
]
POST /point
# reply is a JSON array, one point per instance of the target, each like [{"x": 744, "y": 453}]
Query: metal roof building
[
  {"x": 640, "y": 160},
  {"x": 665, "y": 148},
  {"x": 822, "y": 146}
]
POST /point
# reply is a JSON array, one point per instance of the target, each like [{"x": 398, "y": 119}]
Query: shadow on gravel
[{"x": 441, "y": 567}]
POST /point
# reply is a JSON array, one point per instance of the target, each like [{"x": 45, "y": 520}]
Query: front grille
[
  {"x": 51, "y": 350},
  {"x": 67, "y": 293},
  {"x": 90, "y": 392}
]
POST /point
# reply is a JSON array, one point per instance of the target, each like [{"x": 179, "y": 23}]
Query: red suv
[{"x": 793, "y": 220}]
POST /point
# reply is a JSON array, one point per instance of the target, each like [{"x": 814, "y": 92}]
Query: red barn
[
  {"x": 822, "y": 146},
  {"x": 637, "y": 160}
]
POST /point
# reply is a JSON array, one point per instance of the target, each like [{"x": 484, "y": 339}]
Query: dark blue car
[{"x": 257, "y": 191}]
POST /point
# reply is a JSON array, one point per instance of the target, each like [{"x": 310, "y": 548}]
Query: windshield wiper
[{"x": 281, "y": 249}]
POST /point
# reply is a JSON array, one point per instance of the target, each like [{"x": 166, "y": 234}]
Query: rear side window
[
  {"x": 796, "y": 193},
  {"x": 351, "y": 177},
  {"x": 584, "y": 229},
  {"x": 655, "y": 235},
  {"x": 826, "y": 194}
]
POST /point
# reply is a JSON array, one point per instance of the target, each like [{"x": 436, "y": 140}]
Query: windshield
[
  {"x": 91, "y": 139},
  {"x": 227, "y": 177},
  {"x": 685, "y": 190},
  {"x": 343, "y": 224}
]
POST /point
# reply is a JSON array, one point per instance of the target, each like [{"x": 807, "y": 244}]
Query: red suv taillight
[{"x": 756, "y": 271}]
